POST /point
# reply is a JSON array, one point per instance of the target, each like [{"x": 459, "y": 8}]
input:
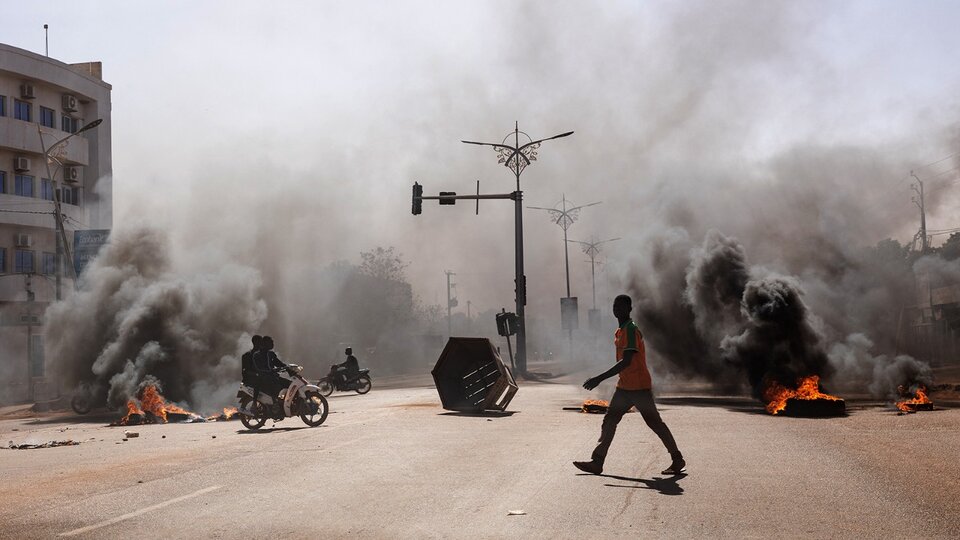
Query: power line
[
  {"x": 937, "y": 161},
  {"x": 941, "y": 173}
]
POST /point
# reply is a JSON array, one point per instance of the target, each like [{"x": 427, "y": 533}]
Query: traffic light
[
  {"x": 417, "y": 201},
  {"x": 447, "y": 197}
]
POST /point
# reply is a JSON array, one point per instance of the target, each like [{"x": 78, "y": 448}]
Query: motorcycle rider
[
  {"x": 348, "y": 370},
  {"x": 268, "y": 366}
]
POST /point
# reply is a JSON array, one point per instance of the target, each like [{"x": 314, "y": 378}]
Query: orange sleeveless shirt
[{"x": 635, "y": 376}]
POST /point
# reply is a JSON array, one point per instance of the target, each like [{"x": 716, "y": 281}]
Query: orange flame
[
  {"x": 594, "y": 406},
  {"x": 920, "y": 398},
  {"x": 153, "y": 402},
  {"x": 776, "y": 395},
  {"x": 132, "y": 409},
  {"x": 227, "y": 414}
]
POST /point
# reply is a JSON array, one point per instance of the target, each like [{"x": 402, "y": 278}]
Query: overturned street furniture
[{"x": 471, "y": 377}]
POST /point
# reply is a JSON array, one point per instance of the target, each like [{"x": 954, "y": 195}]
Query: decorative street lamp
[
  {"x": 592, "y": 249},
  {"x": 57, "y": 212},
  {"x": 564, "y": 217},
  {"x": 516, "y": 156}
]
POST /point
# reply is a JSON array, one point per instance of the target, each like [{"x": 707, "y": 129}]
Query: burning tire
[
  {"x": 364, "y": 385},
  {"x": 253, "y": 422},
  {"x": 313, "y": 409},
  {"x": 326, "y": 387}
]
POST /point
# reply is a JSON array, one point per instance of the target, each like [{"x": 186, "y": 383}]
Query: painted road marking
[{"x": 139, "y": 512}]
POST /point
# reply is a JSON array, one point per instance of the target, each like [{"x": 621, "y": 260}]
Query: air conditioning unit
[
  {"x": 22, "y": 240},
  {"x": 69, "y": 103},
  {"x": 21, "y": 164},
  {"x": 71, "y": 174},
  {"x": 27, "y": 91}
]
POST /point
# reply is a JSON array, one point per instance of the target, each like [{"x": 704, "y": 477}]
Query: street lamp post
[
  {"x": 564, "y": 217},
  {"x": 57, "y": 210},
  {"x": 516, "y": 157},
  {"x": 592, "y": 249}
]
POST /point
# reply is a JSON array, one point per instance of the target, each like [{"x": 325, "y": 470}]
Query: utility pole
[
  {"x": 918, "y": 200},
  {"x": 515, "y": 157},
  {"x": 30, "y": 352},
  {"x": 451, "y": 302}
]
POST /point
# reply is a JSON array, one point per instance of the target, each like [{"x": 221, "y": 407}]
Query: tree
[
  {"x": 384, "y": 264},
  {"x": 950, "y": 250}
]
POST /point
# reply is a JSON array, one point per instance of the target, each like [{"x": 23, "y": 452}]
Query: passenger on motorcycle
[
  {"x": 268, "y": 365},
  {"x": 347, "y": 371},
  {"x": 248, "y": 373}
]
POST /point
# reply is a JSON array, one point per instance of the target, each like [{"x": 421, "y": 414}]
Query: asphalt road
[{"x": 392, "y": 464}]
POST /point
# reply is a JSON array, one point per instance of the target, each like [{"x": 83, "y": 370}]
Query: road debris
[
  {"x": 131, "y": 434},
  {"x": 516, "y": 513},
  {"x": 51, "y": 444}
]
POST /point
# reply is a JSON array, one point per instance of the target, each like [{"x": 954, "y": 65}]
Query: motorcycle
[
  {"x": 86, "y": 396},
  {"x": 360, "y": 383},
  {"x": 299, "y": 399}
]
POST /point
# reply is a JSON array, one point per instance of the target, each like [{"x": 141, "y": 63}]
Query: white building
[{"x": 43, "y": 101}]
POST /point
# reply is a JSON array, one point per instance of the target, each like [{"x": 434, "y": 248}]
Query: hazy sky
[{"x": 336, "y": 108}]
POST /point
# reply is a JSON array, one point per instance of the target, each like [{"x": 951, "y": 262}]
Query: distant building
[
  {"x": 42, "y": 101},
  {"x": 930, "y": 329}
]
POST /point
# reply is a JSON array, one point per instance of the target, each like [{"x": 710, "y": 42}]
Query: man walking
[{"x": 634, "y": 389}]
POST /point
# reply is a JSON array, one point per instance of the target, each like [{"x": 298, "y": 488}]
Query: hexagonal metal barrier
[{"x": 471, "y": 377}]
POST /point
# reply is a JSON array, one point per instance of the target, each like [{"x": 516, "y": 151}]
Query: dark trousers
[
  {"x": 270, "y": 383},
  {"x": 619, "y": 405}
]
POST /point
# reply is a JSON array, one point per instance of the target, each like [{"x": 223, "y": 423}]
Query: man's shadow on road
[{"x": 664, "y": 486}]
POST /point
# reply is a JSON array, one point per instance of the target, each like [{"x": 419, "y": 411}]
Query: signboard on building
[{"x": 86, "y": 245}]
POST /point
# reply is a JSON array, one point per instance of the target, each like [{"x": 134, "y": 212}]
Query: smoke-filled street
[
  {"x": 393, "y": 464},
  {"x": 480, "y": 269}
]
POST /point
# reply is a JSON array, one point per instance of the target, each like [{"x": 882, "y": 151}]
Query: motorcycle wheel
[
  {"x": 364, "y": 385},
  {"x": 314, "y": 419},
  {"x": 326, "y": 387},
  {"x": 80, "y": 404},
  {"x": 253, "y": 422}
]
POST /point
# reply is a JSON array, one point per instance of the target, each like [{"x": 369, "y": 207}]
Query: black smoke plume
[
  {"x": 135, "y": 317},
  {"x": 778, "y": 343}
]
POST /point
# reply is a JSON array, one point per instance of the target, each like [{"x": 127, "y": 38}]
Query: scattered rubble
[{"x": 51, "y": 444}]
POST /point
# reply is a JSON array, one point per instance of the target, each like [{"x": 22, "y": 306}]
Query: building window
[
  {"x": 36, "y": 354},
  {"x": 70, "y": 195},
  {"x": 46, "y": 189},
  {"x": 24, "y": 262},
  {"x": 47, "y": 117},
  {"x": 3, "y": 105},
  {"x": 48, "y": 263},
  {"x": 24, "y": 185},
  {"x": 3, "y": 181},
  {"x": 3, "y": 260},
  {"x": 21, "y": 110},
  {"x": 69, "y": 124}
]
